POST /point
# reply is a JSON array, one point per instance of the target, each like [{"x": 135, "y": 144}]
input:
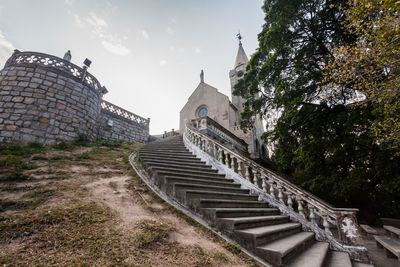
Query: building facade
[{"x": 207, "y": 101}]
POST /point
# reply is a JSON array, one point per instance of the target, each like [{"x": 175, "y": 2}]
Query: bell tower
[{"x": 237, "y": 73}]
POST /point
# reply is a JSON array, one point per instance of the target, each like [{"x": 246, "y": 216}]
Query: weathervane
[{"x": 239, "y": 36}]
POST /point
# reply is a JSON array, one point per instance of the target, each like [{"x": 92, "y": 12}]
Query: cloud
[
  {"x": 170, "y": 31},
  {"x": 6, "y": 49},
  {"x": 145, "y": 35},
  {"x": 198, "y": 50},
  {"x": 115, "y": 48},
  {"x": 99, "y": 27},
  {"x": 96, "y": 21},
  {"x": 69, "y": 2},
  {"x": 78, "y": 21},
  {"x": 163, "y": 63}
]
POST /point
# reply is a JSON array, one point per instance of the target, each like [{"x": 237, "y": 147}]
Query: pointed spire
[
  {"x": 202, "y": 76},
  {"x": 241, "y": 57}
]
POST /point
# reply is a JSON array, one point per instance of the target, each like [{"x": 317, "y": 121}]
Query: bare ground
[{"x": 84, "y": 206}]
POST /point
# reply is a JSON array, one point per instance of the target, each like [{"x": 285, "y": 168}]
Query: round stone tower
[{"x": 47, "y": 99}]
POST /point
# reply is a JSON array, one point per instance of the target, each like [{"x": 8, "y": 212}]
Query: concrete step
[
  {"x": 314, "y": 256},
  {"x": 230, "y": 224},
  {"x": 280, "y": 251},
  {"x": 222, "y": 203},
  {"x": 338, "y": 259},
  {"x": 211, "y": 176},
  {"x": 392, "y": 231},
  {"x": 172, "y": 160},
  {"x": 390, "y": 244},
  {"x": 147, "y": 163},
  {"x": 165, "y": 153},
  {"x": 361, "y": 264},
  {"x": 169, "y": 156},
  {"x": 166, "y": 149},
  {"x": 258, "y": 236},
  {"x": 191, "y": 198},
  {"x": 167, "y": 185},
  {"x": 178, "y": 189},
  {"x": 186, "y": 172}
]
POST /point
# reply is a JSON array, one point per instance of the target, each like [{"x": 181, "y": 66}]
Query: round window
[{"x": 202, "y": 111}]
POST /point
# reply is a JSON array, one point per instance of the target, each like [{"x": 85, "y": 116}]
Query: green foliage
[
  {"x": 320, "y": 139},
  {"x": 372, "y": 64}
]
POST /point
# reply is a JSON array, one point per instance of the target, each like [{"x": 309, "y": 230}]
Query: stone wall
[
  {"x": 115, "y": 127},
  {"x": 47, "y": 100}
]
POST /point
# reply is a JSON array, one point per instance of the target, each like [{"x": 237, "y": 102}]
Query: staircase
[{"x": 234, "y": 211}]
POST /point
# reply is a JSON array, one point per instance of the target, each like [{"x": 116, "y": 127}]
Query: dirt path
[{"x": 85, "y": 206}]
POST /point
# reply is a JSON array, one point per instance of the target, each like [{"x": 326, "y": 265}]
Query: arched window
[{"x": 201, "y": 111}]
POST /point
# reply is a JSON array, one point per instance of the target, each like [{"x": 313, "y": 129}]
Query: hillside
[{"x": 82, "y": 205}]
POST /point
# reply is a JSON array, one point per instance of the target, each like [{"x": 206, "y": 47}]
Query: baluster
[
  {"x": 232, "y": 162},
  {"x": 280, "y": 194},
  {"x": 216, "y": 152},
  {"x": 226, "y": 159},
  {"x": 272, "y": 190},
  {"x": 221, "y": 155},
  {"x": 255, "y": 177},
  {"x": 239, "y": 168},
  {"x": 312, "y": 213},
  {"x": 289, "y": 200},
  {"x": 325, "y": 224},
  {"x": 300, "y": 207},
  {"x": 264, "y": 183},
  {"x": 247, "y": 175}
]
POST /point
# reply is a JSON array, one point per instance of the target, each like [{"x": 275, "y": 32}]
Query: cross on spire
[{"x": 239, "y": 36}]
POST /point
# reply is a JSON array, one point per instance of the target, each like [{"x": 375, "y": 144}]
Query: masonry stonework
[{"x": 47, "y": 100}]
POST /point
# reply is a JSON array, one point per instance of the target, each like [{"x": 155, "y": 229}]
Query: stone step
[
  {"x": 281, "y": 250},
  {"x": 392, "y": 231},
  {"x": 221, "y": 203},
  {"x": 199, "y": 167},
  {"x": 167, "y": 184},
  {"x": 166, "y": 149},
  {"x": 169, "y": 156},
  {"x": 390, "y": 244},
  {"x": 173, "y": 160},
  {"x": 191, "y": 197},
  {"x": 204, "y": 172},
  {"x": 165, "y": 152},
  {"x": 179, "y": 187},
  {"x": 368, "y": 230},
  {"x": 361, "y": 264},
  {"x": 338, "y": 259},
  {"x": 314, "y": 256},
  {"x": 215, "y": 176},
  {"x": 238, "y": 223},
  {"x": 255, "y": 237}
]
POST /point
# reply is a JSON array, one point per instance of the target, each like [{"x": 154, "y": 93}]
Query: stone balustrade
[
  {"x": 64, "y": 67},
  {"x": 215, "y": 130},
  {"x": 338, "y": 226}
]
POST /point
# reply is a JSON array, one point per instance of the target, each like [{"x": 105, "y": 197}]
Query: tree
[
  {"x": 372, "y": 65},
  {"x": 320, "y": 138}
]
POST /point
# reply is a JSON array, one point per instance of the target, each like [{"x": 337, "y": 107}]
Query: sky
[{"x": 148, "y": 53}]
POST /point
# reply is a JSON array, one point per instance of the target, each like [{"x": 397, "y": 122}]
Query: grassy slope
[{"x": 50, "y": 213}]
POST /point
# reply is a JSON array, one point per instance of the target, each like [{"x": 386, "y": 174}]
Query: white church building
[{"x": 209, "y": 109}]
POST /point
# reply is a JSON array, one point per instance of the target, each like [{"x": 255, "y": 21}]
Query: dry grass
[{"x": 82, "y": 205}]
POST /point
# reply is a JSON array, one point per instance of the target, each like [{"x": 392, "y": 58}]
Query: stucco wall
[{"x": 217, "y": 104}]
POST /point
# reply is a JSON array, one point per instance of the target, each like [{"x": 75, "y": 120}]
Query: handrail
[
  {"x": 105, "y": 105},
  {"x": 220, "y": 131},
  {"x": 312, "y": 212},
  {"x": 58, "y": 64}
]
